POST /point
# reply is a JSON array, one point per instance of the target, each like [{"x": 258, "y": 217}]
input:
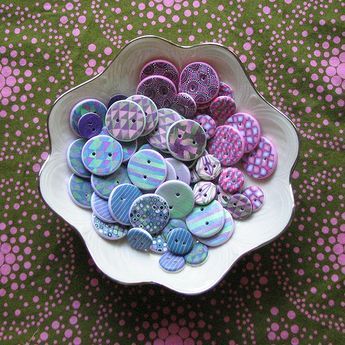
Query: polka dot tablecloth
[{"x": 289, "y": 292}]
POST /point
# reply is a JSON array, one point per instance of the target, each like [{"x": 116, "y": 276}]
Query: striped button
[
  {"x": 100, "y": 209},
  {"x": 172, "y": 263},
  {"x": 147, "y": 169},
  {"x": 180, "y": 241},
  {"x": 139, "y": 239}
]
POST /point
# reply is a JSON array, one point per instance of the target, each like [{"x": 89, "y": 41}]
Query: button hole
[
  {"x": 178, "y": 194},
  {"x": 145, "y": 177},
  {"x": 207, "y": 223}
]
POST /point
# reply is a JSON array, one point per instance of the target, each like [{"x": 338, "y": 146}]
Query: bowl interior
[{"x": 117, "y": 259}]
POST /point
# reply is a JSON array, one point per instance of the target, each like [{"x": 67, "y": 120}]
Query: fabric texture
[{"x": 288, "y": 292}]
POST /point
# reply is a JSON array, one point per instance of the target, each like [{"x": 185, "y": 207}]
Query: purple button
[
  {"x": 115, "y": 98},
  {"x": 90, "y": 125},
  {"x": 208, "y": 124},
  {"x": 160, "y": 67},
  {"x": 199, "y": 80},
  {"x": 184, "y": 104}
]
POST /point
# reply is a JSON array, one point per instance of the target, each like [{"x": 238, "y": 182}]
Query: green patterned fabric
[{"x": 288, "y": 292}]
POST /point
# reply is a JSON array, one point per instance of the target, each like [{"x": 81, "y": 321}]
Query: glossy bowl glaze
[{"x": 116, "y": 259}]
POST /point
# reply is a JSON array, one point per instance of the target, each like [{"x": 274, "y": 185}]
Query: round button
[
  {"x": 129, "y": 149},
  {"x": 184, "y": 104},
  {"x": 80, "y": 191},
  {"x": 171, "y": 173},
  {"x": 121, "y": 200},
  {"x": 159, "y": 245},
  {"x": 194, "y": 177},
  {"x": 198, "y": 255},
  {"x": 256, "y": 196},
  {"x": 112, "y": 232},
  {"x": 180, "y": 241},
  {"x": 262, "y": 161},
  {"x": 186, "y": 140},
  {"x": 150, "y": 111},
  {"x": 179, "y": 196},
  {"x": 225, "y": 90},
  {"x": 89, "y": 125},
  {"x": 222, "y": 108},
  {"x": 231, "y": 180},
  {"x": 248, "y": 127},
  {"x": 206, "y": 221},
  {"x": 115, "y": 98},
  {"x": 239, "y": 206},
  {"x": 83, "y": 107},
  {"x": 100, "y": 208},
  {"x": 139, "y": 239},
  {"x": 199, "y": 80},
  {"x": 160, "y": 89},
  {"x": 208, "y": 167},
  {"x": 227, "y": 145},
  {"x": 223, "y": 235},
  {"x": 204, "y": 192},
  {"x": 102, "y": 155},
  {"x": 150, "y": 212},
  {"x": 125, "y": 120},
  {"x": 160, "y": 67},
  {"x": 74, "y": 160},
  {"x": 208, "y": 124},
  {"x": 147, "y": 169},
  {"x": 182, "y": 171},
  {"x": 172, "y": 224},
  {"x": 170, "y": 262},
  {"x": 103, "y": 185},
  {"x": 158, "y": 138}
]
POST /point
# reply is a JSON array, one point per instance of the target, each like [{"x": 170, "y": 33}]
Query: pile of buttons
[{"x": 158, "y": 167}]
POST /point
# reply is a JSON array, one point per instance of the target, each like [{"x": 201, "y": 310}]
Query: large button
[
  {"x": 199, "y": 80},
  {"x": 204, "y": 192},
  {"x": 112, "y": 232},
  {"x": 150, "y": 111},
  {"x": 90, "y": 125},
  {"x": 139, "y": 239},
  {"x": 239, "y": 206},
  {"x": 208, "y": 124},
  {"x": 102, "y": 155},
  {"x": 121, "y": 200},
  {"x": 83, "y": 107},
  {"x": 262, "y": 161},
  {"x": 74, "y": 160},
  {"x": 249, "y": 128},
  {"x": 227, "y": 145},
  {"x": 198, "y": 255},
  {"x": 147, "y": 169},
  {"x": 160, "y": 67},
  {"x": 170, "y": 262},
  {"x": 182, "y": 171},
  {"x": 150, "y": 212},
  {"x": 101, "y": 209},
  {"x": 80, "y": 191},
  {"x": 184, "y": 104},
  {"x": 158, "y": 138},
  {"x": 256, "y": 196},
  {"x": 208, "y": 167},
  {"x": 125, "y": 120},
  {"x": 231, "y": 180},
  {"x": 160, "y": 89},
  {"x": 180, "y": 241},
  {"x": 103, "y": 185},
  {"x": 206, "y": 221},
  {"x": 179, "y": 197},
  {"x": 222, "y": 108},
  {"x": 186, "y": 140}
]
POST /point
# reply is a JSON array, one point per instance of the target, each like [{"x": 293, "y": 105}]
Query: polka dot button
[
  {"x": 160, "y": 67},
  {"x": 100, "y": 209},
  {"x": 170, "y": 262},
  {"x": 150, "y": 212},
  {"x": 184, "y": 104},
  {"x": 112, "y": 232},
  {"x": 186, "y": 140},
  {"x": 103, "y": 185},
  {"x": 231, "y": 180},
  {"x": 172, "y": 224},
  {"x": 227, "y": 145},
  {"x": 199, "y": 80},
  {"x": 121, "y": 200},
  {"x": 180, "y": 241},
  {"x": 74, "y": 158},
  {"x": 223, "y": 235},
  {"x": 179, "y": 196},
  {"x": 222, "y": 108},
  {"x": 89, "y": 125},
  {"x": 159, "y": 245},
  {"x": 80, "y": 191},
  {"x": 206, "y": 221},
  {"x": 158, "y": 138},
  {"x": 262, "y": 161},
  {"x": 182, "y": 171},
  {"x": 255, "y": 195},
  {"x": 248, "y": 127},
  {"x": 125, "y": 120},
  {"x": 150, "y": 111},
  {"x": 239, "y": 206},
  {"x": 139, "y": 239},
  {"x": 160, "y": 89},
  {"x": 204, "y": 192},
  {"x": 198, "y": 255},
  {"x": 208, "y": 124},
  {"x": 83, "y": 107},
  {"x": 102, "y": 155},
  {"x": 147, "y": 169},
  {"x": 208, "y": 167}
]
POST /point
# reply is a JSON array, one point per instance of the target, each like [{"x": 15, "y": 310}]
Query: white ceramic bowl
[{"x": 116, "y": 259}]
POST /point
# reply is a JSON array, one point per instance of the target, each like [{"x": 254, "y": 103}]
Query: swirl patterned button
[{"x": 160, "y": 67}]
